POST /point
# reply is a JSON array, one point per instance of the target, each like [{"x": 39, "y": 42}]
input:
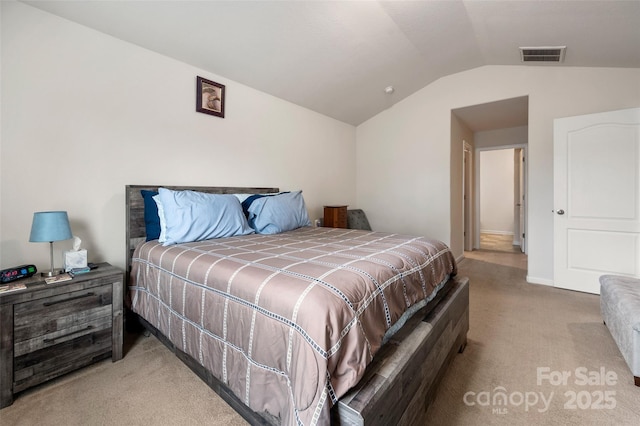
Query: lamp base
[{"x": 51, "y": 273}]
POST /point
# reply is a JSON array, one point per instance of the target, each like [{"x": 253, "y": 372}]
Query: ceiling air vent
[{"x": 542, "y": 54}]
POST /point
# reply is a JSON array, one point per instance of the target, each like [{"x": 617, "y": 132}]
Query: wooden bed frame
[{"x": 398, "y": 386}]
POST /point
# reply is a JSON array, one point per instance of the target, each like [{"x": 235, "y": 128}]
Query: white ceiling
[{"x": 336, "y": 57}]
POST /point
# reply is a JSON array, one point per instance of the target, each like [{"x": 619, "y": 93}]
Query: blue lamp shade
[{"x": 50, "y": 226}]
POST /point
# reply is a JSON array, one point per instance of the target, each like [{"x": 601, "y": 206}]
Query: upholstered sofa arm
[
  {"x": 357, "y": 219},
  {"x": 620, "y": 307}
]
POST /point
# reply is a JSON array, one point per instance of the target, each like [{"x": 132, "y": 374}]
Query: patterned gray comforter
[{"x": 288, "y": 322}]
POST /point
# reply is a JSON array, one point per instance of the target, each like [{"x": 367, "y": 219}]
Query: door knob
[{"x": 560, "y": 212}]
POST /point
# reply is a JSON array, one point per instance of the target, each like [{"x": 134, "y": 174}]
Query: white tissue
[
  {"x": 76, "y": 243},
  {"x": 75, "y": 258}
]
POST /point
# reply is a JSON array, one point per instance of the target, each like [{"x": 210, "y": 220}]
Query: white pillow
[
  {"x": 242, "y": 197},
  {"x": 163, "y": 223},
  {"x": 196, "y": 216}
]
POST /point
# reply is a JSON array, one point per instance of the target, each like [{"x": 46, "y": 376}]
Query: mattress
[{"x": 288, "y": 322}]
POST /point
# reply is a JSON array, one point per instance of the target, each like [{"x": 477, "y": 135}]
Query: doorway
[
  {"x": 501, "y": 214},
  {"x": 499, "y": 124}
]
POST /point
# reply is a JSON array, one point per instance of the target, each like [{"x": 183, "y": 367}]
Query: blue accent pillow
[
  {"x": 196, "y": 216},
  {"x": 151, "y": 217},
  {"x": 278, "y": 213}
]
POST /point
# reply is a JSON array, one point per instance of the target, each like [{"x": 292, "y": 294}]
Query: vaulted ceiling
[{"x": 337, "y": 57}]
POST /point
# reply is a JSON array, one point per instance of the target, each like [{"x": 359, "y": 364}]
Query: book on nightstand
[
  {"x": 58, "y": 278},
  {"x": 75, "y": 271},
  {"x": 11, "y": 287}
]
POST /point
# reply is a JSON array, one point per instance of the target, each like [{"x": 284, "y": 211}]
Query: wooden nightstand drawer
[
  {"x": 58, "y": 334},
  {"x": 45, "y": 322},
  {"x": 84, "y": 347}
]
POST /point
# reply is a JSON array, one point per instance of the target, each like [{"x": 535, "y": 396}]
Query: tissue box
[{"x": 74, "y": 259}]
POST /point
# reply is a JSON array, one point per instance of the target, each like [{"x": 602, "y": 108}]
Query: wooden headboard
[{"x": 134, "y": 205}]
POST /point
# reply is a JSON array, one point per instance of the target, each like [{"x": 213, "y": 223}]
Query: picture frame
[{"x": 210, "y": 97}]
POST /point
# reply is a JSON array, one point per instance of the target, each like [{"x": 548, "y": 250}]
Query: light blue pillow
[
  {"x": 196, "y": 216},
  {"x": 278, "y": 213}
]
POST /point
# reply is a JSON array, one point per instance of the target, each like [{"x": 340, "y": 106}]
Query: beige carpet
[{"x": 516, "y": 328}]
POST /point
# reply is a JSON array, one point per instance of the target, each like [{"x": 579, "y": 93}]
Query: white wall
[
  {"x": 496, "y": 191},
  {"x": 501, "y": 137},
  {"x": 84, "y": 114},
  {"x": 1, "y": 97},
  {"x": 403, "y": 154},
  {"x": 494, "y": 139}
]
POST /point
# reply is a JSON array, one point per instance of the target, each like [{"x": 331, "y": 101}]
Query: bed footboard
[{"x": 401, "y": 382}]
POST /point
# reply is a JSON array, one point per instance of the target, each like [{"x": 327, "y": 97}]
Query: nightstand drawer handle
[
  {"x": 66, "y": 300},
  {"x": 89, "y": 327}
]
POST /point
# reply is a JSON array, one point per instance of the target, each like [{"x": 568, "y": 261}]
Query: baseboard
[
  {"x": 460, "y": 258},
  {"x": 542, "y": 281}
]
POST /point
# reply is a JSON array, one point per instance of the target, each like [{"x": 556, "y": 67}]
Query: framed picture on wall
[{"x": 210, "y": 97}]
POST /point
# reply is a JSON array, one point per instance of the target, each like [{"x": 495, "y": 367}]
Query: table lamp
[{"x": 50, "y": 227}]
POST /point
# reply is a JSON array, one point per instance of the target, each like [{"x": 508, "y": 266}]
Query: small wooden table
[
  {"x": 47, "y": 330},
  {"x": 335, "y": 216}
]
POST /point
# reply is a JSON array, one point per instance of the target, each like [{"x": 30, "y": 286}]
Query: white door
[{"x": 596, "y": 198}]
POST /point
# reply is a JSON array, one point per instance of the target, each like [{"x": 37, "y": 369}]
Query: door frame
[
  {"x": 468, "y": 191},
  {"x": 520, "y": 181},
  {"x": 478, "y": 195}
]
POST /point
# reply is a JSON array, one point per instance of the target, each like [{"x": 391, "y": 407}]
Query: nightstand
[
  {"x": 335, "y": 216},
  {"x": 47, "y": 330}
]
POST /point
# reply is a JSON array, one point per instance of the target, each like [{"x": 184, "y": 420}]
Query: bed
[{"x": 308, "y": 326}]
